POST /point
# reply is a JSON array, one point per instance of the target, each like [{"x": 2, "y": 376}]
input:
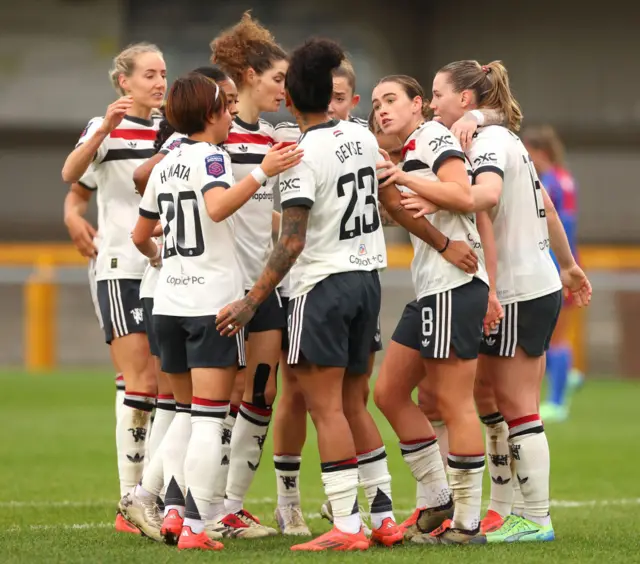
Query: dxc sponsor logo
[
  {"x": 438, "y": 142},
  {"x": 289, "y": 185},
  {"x": 185, "y": 280},
  {"x": 485, "y": 159}
]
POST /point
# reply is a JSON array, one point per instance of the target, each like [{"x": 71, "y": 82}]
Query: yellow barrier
[
  {"x": 40, "y": 292},
  {"x": 40, "y": 301}
]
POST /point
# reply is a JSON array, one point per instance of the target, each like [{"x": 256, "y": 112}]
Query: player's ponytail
[
  {"x": 309, "y": 79},
  {"x": 125, "y": 63},
  {"x": 490, "y": 84}
]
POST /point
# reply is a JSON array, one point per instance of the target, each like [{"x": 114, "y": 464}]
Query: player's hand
[
  {"x": 115, "y": 113},
  {"x": 281, "y": 158},
  {"x": 384, "y": 154},
  {"x": 464, "y": 128},
  {"x": 576, "y": 283},
  {"x": 460, "y": 254},
  {"x": 389, "y": 174},
  {"x": 235, "y": 316},
  {"x": 494, "y": 314},
  {"x": 414, "y": 202},
  {"x": 82, "y": 234}
]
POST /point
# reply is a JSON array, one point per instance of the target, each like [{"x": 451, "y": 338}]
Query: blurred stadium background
[{"x": 570, "y": 66}]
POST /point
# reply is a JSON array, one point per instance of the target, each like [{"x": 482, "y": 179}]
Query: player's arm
[
  {"x": 385, "y": 219},
  {"x": 143, "y": 232},
  {"x": 90, "y": 145},
  {"x": 452, "y": 190},
  {"x": 466, "y": 126},
  {"x": 223, "y": 199},
  {"x": 80, "y": 230},
  {"x": 494, "y": 310},
  {"x": 573, "y": 277},
  {"x": 457, "y": 253},
  {"x": 143, "y": 172}
]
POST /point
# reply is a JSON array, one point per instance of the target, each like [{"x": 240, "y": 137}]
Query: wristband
[
  {"x": 446, "y": 246},
  {"x": 259, "y": 175},
  {"x": 479, "y": 117}
]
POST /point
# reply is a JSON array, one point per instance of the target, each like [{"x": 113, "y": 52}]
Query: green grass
[{"x": 58, "y": 445}]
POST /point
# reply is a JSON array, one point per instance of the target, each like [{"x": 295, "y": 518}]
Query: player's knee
[
  {"x": 383, "y": 396},
  {"x": 264, "y": 391}
]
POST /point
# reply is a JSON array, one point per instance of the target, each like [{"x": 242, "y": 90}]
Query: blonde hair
[
  {"x": 345, "y": 70},
  {"x": 490, "y": 84},
  {"x": 125, "y": 62},
  {"x": 545, "y": 138}
]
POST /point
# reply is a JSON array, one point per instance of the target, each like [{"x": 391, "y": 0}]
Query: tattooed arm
[{"x": 288, "y": 248}]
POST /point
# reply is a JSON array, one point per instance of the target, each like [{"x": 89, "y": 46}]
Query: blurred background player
[
  {"x": 547, "y": 152},
  {"x": 114, "y": 146}
]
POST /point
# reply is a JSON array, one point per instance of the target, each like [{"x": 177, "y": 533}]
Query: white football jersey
[
  {"x": 200, "y": 268},
  {"x": 425, "y": 150},
  {"x": 152, "y": 273},
  {"x": 121, "y": 152},
  {"x": 247, "y": 145},
  {"x": 525, "y": 267},
  {"x": 337, "y": 181}
]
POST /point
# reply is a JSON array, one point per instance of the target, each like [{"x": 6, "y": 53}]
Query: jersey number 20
[
  {"x": 359, "y": 225},
  {"x": 176, "y": 244}
]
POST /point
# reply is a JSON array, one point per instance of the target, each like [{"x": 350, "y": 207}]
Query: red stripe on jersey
[
  {"x": 255, "y": 138},
  {"x": 134, "y": 134}
]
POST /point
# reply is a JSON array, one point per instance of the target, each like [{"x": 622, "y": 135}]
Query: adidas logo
[
  {"x": 252, "y": 467},
  {"x": 243, "y": 148},
  {"x": 490, "y": 341},
  {"x": 136, "y": 459},
  {"x": 522, "y": 480},
  {"x": 225, "y": 460},
  {"x": 500, "y": 480},
  {"x": 132, "y": 144}
]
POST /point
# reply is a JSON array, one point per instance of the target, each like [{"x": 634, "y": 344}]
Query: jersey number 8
[
  {"x": 178, "y": 244},
  {"x": 360, "y": 224}
]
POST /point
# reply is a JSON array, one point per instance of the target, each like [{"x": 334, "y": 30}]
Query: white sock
[
  {"x": 203, "y": 457},
  {"x": 131, "y": 438},
  {"x": 119, "y": 393},
  {"x": 425, "y": 463},
  {"x": 374, "y": 478},
  {"x": 340, "y": 481},
  {"x": 174, "y": 453},
  {"x": 465, "y": 478},
  {"x": 530, "y": 452},
  {"x": 518, "y": 500},
  {"x": 442, "y": 436},
  {"x": 165, "y": 411},
  {"x": 499, "y": 461},
  {"x": 287, "y": 479},
  {"x": 247, "y": 440},
  {"x": 217, "y": 509}
]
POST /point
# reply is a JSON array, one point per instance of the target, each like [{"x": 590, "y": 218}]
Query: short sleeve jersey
[
  {"x": 200, "y": 268},
  {"x": 121, "y": 152},
  {"x": 525, "y": 268},
  {"x": 247, "y": 145},
  {"x": 337, "y": 181},
  {"x": 426, "y": 149}
]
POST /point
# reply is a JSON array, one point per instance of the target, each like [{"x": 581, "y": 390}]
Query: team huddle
[{"x": 208, "y": 297}]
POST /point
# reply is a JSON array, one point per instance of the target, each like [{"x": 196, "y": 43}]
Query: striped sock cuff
[
  {"x": 527, "y": 425},
  {"x": 492, "y": 418},
  {"x": 260, "y": 416},
  {"x": 201, "y": 407},
  {"x": 411, "y": 447},
  {"x": 233, "y": 410},
  {"x": 166, "y": 402},
  {"x": 119, "y": 381},
  {"x": 372, "y": 456},
  {"x": 466, "y": 461},
  {"x": 338, "y": 465},
  {"x": 140, "y": 400},
  {"x": 287, "y": 462},
  {"x": 183, "y": 407}
]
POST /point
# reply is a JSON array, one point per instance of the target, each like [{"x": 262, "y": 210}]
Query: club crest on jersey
[
  {"x": 337, "y": 133},
  {"x": 215, "y": 165},
  {"x": 362, "y": 250}
]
